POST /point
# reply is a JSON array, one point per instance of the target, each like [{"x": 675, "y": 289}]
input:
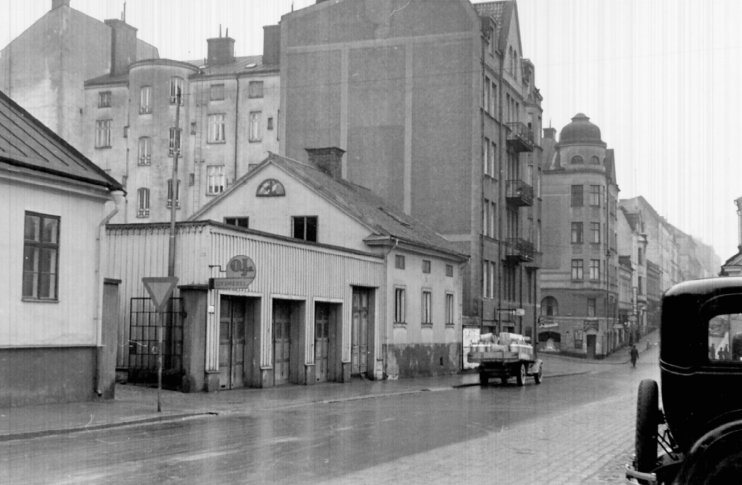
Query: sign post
[{"x": 159, "y": 289}]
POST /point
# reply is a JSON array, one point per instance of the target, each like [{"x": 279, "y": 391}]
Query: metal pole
[
  {"x": 174, "y": 186},
  {"x": 159, "y": 359}
]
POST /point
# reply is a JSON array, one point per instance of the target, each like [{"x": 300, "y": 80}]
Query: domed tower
[{"x": 580, "y": 272}]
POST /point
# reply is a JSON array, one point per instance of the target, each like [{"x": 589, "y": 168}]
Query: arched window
[
  {"x": 270, "y": 188},
  {"x": 595, "y": 160},
  {"x": 577, "y": 159},
  {"x": 549, "y": 307}
]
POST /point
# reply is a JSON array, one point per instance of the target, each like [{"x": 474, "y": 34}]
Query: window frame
[
  {"x": 450, "y": 309},
  {"x": 400, "y": 305},
  {"x": 576, "y": 236},
  {"x": 594, "y": 270},
  {"x": 210, "y": 178},
  {"x": 216, "y": 128},
  {"x": 145, "y": 108},
  {"x": 174, "y": 82},
  {"x": 577, "y": 196},
  {"x": 170, "y": 193},
  {"x": 104, "y": 99},
  {"x": 595, "y": 194},
  {"x": 235, "y": 221},
  {"x": 426, "y": 307},
  {"x": 144, "y": 151},
  {"x": 143, "y": 202},
  {"x": 427, "y": 266},
  {"x": 399, "y": 261},
  {"x": 595, "y": 232},
  {"x": 214, "y": 90},
  {"x": 103, "y": 133},
  {"x": 39, "y": 245},
  {"x": 305, "y": 219},
  {"x": 592, "y": 307},
  {"x": 254, "y": 132},
  {"x": 578, "y": 270},
  {"x": 252, "y": 87}
]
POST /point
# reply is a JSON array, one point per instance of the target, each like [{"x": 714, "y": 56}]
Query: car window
[{"x": 725, "y": 338}]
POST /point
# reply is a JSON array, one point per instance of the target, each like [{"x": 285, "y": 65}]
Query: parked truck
[{"x": 506, "y": 355}]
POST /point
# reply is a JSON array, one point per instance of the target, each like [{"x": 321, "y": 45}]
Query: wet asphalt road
[{"x": 330, "y": 441}]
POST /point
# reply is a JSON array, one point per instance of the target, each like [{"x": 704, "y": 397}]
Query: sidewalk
[{"x": 138, "y": 405}]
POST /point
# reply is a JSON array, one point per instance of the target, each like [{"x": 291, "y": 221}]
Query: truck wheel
[
  {"x": 504, "y": 380},
  {"x": 483, "y": 379},
  {"x": 537, "y": 377},
  {"x": 647, "y": 420},
  {"x": 521, "y": 376}
]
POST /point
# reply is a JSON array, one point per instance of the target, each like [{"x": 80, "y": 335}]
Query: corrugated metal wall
[{"x": 282, "y": 268}]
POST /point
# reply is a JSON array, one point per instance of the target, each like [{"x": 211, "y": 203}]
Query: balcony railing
[
  {"x": 520, "y": 250},
  {"x": 519, "y": 193},
  {"x": 520, "y": 137}
]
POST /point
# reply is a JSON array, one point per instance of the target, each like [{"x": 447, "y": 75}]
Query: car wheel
[
  {"x": 521, "y": 376},
  {"x": 647, "y": 421}
]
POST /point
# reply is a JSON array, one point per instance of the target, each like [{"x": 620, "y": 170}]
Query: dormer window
[{"x": 270, "y": 188}]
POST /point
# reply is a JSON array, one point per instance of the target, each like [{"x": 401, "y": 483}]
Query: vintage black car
[{"x": 699, "y": 428}]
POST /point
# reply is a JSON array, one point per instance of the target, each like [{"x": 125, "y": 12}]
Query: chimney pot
[
  {"x": 328, "y": 159},
  {"x": 271, "y": 44},
  {"x": 550, "y": 133},
  {"x": 60, "y": 3},
  {"x": 123, "y": 45},
  {"x": 220, "y": 51}
]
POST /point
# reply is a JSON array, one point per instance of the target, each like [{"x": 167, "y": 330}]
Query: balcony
[
  {"x": 518, "y": 193},
  {"x": 520, "y": 138},
  {"x": 519, "y": 250}
]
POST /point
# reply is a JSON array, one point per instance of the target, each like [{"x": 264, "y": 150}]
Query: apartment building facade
[{"x": 439, "y": 114}]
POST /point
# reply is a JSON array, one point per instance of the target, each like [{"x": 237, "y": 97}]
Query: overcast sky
[{"x": 657, "y": 76}]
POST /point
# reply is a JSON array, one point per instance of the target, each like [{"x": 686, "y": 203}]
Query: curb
[{"x": 96, "y": 427}]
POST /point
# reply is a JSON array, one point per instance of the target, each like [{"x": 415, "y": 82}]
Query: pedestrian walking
[{"x": 634, "y": 354}]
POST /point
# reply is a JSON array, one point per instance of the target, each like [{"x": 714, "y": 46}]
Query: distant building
[
  {"x": 632, "y": 244},
  {"x": 44, "y": 68},
  {"x": 439, "y": 114},
  {"x": 344, "y": 284},
  {"x": 579, "y": 277},
  {"x": 228, "y": 123},
  {"x": 733, "y": 265},
  {"x": 56, "y": 339}
]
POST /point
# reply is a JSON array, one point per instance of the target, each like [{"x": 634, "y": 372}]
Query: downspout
[
  {"x": 118, "y": 199},
  {"x": 483, "y": 283},
  {"x": 236, "y": 123},
  {"x": 385, "y": 343},
  {"x": 502, "y": 200}
]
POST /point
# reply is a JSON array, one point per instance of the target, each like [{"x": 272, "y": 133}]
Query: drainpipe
[
  {"x": 236, "y": 123},
  {"x": 118, "y": 200}
]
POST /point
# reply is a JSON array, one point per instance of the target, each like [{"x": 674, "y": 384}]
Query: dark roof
[
  {"x": 384, "y": 221},
  {"x": 26, "y": 142},
  {"x": 500, "y": 11},
  {"x": 239, "y": 66},
  {"x": 108, "y": 79},
  {"x": 580, "y": 131}
]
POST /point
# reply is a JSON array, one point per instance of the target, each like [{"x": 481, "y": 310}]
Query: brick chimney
[
  {"x": 271, "y": 44},
  {"x": 123, "y": 45},
  {"x": 328, "y": 160},
  {"x": 220, "y": 50},
  {"x": 60, "y": 3},
  {"x": 550, "y": 133}
]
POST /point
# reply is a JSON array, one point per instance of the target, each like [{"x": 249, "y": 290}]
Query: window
[
  {"x": 488, "y": 279},
  {"x": 640, "y": 287},
  {"x": 269, "y": 124},
  {"x": 399, "y": 261},
  {"x": 305, "y": 227},
  {"x": 170, "y": 193},
  {"x": 595, "y": 195},
  {"x": 577, "y": 195},
  {"x": 144, "y": 151},
  {"x": 238, "y": 221},
  {"x": 426, "y": 266},
  {"x": 216, "y": 128},
  {"x": 216, "y": 92},
  {"x": 486, "y": 156},
  {"x": 145, "y": 99},
  {"x": 103, "y": 134},
  {"x": 427, "y": 308},
  {"x": 174, "y": 143},
  {"x": 549, "y": 307},
  {"x": 40, "y": 256},
  {"x": 399, "y": 305},
  {"x": 591, "y": 307},
  {"x": 595, "y": 232},
  {"x": 576, "y": 233},
  {"x": 577, "y": 269},
  {"x": 486, "y": 94},
  {"x": 270, "y": 188},
  {"x": 595, "y": 269},
  {"x": 576, "y": 160},
  {"x": 255, "y": 89},
  {"x": 177, "y": 89},
  {"x": 595, "y": 160},
  {"x": 104, "y": 99},
  {"x": 449, "y": 309},
  {"x": 143, "y": 202},
  {"x": 449, "y": 270},
  {"x": 215, "y": 179},
  {"x": 254, "y": 127},
  {"x": 639, "y": 255}
]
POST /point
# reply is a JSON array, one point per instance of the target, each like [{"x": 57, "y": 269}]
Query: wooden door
[
  {"x": 321, "y": 340},
  {"x": 359, "y": 332},
  {"x": 281, "y": 342},
  {"x": 231, "y": 342}
]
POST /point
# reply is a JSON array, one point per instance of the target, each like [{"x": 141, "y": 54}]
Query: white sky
[{"x": 657, "y": 76}]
